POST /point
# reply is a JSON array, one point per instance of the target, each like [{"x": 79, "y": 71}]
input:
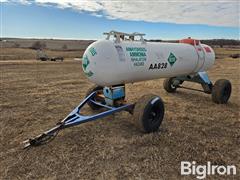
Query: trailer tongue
[{"x": 76, "y": 118}]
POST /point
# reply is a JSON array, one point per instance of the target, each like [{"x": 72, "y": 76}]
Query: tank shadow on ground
[{"x": 193, "y": 97}]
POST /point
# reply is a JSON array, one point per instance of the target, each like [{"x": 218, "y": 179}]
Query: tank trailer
[{"x": 124, "y": 58}]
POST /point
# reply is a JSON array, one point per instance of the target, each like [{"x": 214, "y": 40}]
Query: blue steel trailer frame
[{"x": 75, "y": 118}]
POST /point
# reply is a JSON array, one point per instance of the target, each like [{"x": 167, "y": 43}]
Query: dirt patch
[{"x": 36, "y": 95}]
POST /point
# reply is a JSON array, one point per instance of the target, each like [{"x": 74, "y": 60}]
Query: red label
[{"x": 207, "y": 49}]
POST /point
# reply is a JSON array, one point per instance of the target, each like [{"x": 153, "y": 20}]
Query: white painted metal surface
[{"x": 108, "y": 62}]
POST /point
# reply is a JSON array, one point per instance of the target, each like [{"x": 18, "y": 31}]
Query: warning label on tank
[
  {"x": 137, "y": 55},
  {"x": 93, "y": 51},
  {"x": 85, "y": 63},
  {"x": 172, "y": 59}
]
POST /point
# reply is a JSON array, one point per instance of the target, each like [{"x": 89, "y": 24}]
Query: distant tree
[
  {"x": 221, "y": 42},
  {"x": 64, "y": 47},
  {"x": 154, "y": 40},
  {"x": 38, "y": 45}
]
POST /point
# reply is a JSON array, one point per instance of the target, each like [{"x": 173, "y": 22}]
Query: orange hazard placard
[{"x": 207, "y": 49}]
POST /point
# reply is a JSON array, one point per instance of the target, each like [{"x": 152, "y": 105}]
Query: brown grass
[
  {"x": 36, "y": 95},
  {"x": 225, "y": 52},
  {"x": 30, "y": 54}
]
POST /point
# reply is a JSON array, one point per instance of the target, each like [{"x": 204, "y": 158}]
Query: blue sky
[{"x": 64, "y": 19}]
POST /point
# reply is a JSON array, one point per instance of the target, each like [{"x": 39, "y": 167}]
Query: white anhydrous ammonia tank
[{"x": 107, "y": 62}]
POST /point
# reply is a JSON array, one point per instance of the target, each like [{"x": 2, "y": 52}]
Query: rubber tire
[
  {"x": 221, "y": 91},
  {"x": 91, "y": 90},
  {"x": 142, "y": 111},
  {"x": 167, "y": 85}
]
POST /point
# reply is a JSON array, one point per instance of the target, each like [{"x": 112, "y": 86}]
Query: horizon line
[{"x": 77, "y": 39}]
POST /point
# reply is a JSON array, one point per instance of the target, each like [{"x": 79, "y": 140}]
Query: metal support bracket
[
  {"x": 120, "y": 36},
  {"x": 200, "y": 77}
]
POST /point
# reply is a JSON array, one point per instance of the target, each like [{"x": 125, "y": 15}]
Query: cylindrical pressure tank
[{"x": 108, "y": 62}]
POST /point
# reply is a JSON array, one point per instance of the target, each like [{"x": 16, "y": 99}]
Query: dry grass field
[
  {"x": 35, "y": 95},
  {"x": 30, "y": 54},
  {"x": 22, "y": 49}
]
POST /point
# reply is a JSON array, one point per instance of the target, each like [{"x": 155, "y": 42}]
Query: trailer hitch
[{"x": 76, "y": 118}]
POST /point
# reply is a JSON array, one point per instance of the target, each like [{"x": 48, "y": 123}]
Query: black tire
[
  {"x": 148, "y": 113},
  {"x": 91, "y": 90},
  {"x": 168, "y": 85},
  {"x": 221, "y": 91}
]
